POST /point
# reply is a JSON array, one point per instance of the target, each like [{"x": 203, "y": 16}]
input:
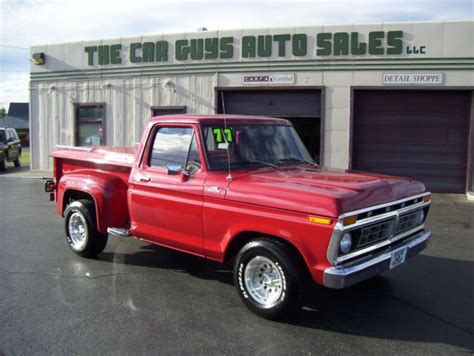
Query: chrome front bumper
[{"x": 342, "y": 277}]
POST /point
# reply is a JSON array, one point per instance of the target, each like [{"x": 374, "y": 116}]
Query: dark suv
[{"x": 10, "y": 148}]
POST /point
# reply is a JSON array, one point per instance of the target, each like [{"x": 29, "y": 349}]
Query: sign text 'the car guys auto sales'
[{"x": 262, "y": 46}]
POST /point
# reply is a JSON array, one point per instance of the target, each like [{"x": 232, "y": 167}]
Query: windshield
[
  {"x": 2, "y": 136},
  {"x": 263, "y": 145}
]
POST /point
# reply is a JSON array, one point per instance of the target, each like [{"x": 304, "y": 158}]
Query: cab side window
[
  {"x": 175, "y": 146},
  {"x": 9, "y": 135}
]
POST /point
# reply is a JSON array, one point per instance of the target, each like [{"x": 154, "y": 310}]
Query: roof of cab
[{"x": 219, "y": 119}]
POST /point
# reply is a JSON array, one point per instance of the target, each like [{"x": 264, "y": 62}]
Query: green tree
[{"x": 3, "y": 112}]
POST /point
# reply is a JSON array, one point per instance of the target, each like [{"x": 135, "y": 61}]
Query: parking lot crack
[
  {"x": 60, "y": 275},
  {"x": 432, "y": 315}
]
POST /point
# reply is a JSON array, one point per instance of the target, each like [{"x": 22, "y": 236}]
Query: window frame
[
  {"x": 146, "y": 155},
  {"x": 11, "y": 133},
  {"x": 185, "y": 150},
  {"x": 102, "y": 121},
  {"x": 204, "y": 146},
  {"x": 15, "y": 134},
  {"x": 175, "y": 110},
  {"x": 193, "y": 138}
]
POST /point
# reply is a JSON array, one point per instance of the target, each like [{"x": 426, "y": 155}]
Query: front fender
[
  {"x": 108, "y": 192},
  {"x": 224, "y": 220}
]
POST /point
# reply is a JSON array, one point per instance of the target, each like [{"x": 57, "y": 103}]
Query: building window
[
  {"x": 167, "y": 110},
  {"x": 90, "y": 124}
]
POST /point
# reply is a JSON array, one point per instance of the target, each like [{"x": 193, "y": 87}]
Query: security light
[
  {"x": 38, "y": 58},
  {"x": 168, "y": 84}
]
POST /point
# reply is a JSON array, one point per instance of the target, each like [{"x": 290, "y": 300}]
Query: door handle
[{"x": 144, "y": 179}]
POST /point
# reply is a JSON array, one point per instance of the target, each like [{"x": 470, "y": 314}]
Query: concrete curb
[{"x": 27, "y": 174}]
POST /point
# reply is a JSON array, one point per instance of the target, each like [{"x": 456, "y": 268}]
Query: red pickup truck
[{"x": 244, "y": 190}]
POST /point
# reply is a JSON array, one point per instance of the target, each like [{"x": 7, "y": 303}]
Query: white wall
[{"x": 128, "y": 107}]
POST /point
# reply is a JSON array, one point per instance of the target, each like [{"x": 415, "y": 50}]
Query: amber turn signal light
[
  {"x": 350, "y": 220},
  {"x": 426, "y": 198},
  {"x": 318, "y": 220}
]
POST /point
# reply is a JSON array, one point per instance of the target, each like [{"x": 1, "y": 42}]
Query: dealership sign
[
  {"x": 375, "y": 43},
  {"x": 268, "y": 79},
  {"x": 412, "y": 78}
]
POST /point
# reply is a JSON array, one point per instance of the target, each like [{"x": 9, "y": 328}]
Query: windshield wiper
[
  {"x": 297, "y": 159},
  {"x": 262, "y": 162}
]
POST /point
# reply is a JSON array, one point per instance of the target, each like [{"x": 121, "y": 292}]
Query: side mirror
[{"x": 174, "y": 169}]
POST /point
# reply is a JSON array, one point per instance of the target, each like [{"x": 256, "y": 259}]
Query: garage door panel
[
  {"x": 414, "y": 101},
  {"x": 378, "y": 131},
  {"x": 291, "y": 103},
  {"x": 410, "y": 121},
  {"x": 394, "y": 135},
  {"x": 413, "y": 170},
  {"x": 419, "y": 134},
  {"x": 425, "y": 148},
  {"x": 435, "y": 169},
  {"x": 447, "y": 182}
]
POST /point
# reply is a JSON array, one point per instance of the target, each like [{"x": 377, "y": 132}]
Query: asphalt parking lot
[{"x": 142, "y": 299}]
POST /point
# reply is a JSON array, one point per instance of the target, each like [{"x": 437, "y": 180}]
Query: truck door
[{"x": 166, "y": 191}]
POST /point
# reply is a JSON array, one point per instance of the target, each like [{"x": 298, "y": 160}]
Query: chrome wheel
[
  {"x": 264, "y": 281},
  {"x": 77, "y": 228}
]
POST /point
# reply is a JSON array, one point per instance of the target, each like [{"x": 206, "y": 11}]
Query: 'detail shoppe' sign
[{"x": 263, "y": 46}]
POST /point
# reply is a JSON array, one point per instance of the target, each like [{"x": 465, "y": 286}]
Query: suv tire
[
  {"x": 4, "y": 163},
  {"x": 17, "y": 162}
]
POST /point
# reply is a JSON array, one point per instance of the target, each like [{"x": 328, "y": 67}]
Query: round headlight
[
  {"x": 421, "y": 218},
  {"x": 346, "y": 243}
]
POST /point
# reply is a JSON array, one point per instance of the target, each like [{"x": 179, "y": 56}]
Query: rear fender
[{"x": 108, "y": 192}]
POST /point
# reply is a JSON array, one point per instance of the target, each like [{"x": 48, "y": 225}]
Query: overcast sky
[{"x": 28, "y": 22}]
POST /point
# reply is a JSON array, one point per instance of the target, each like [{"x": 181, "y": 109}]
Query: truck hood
[{"x": 319, "y": 191}]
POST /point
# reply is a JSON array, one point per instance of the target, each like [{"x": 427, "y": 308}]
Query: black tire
[
  {"x": 94, "y": 242},
  {"x": 3, "y": 163},
  {"x": 288, "y": 265},
  {"x": 17, "y": 162}
]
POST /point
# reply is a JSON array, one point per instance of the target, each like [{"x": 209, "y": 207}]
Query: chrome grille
[
  {"x": 407, "y": 221},
  {"x": 376, "y": 232},
  {"x": 378, "y": 227}
]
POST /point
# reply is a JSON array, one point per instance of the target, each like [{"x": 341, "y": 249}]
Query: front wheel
[
  {"x": 81, "y": 229},
  {"x": 268, "y": 279}
]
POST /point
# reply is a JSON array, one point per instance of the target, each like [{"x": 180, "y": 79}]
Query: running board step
[{"x": 118, "y": 231}]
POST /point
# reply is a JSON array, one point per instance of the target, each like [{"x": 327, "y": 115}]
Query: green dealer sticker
[{"x": 219, "y": 135}]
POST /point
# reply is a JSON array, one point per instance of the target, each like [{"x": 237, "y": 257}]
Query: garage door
[
  {"x": 418, "y": 134},
  {"x": 301, "y": 106}
]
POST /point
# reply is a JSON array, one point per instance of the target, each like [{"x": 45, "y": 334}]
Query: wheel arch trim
[
  {"x": 108, "y": 194},
  {"x": 241, "y": 238}
]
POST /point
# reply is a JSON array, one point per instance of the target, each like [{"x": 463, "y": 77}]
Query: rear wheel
[
  {"x": 81, "y": 229},
  {"x": 4, "y": 163},
  {"x": 17, "y": 162},
  {"x": 269, "y": 279}
]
